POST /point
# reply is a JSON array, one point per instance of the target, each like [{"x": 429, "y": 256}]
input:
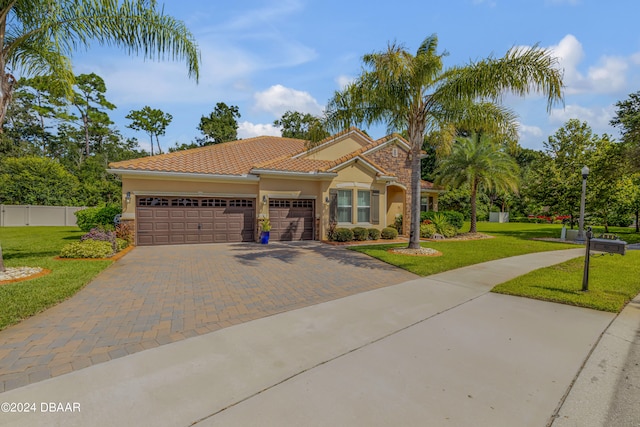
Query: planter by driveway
[{"x": 162, "y": 294}]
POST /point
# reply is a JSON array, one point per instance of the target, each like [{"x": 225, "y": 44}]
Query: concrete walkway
[{"x": 439, "y": 350}]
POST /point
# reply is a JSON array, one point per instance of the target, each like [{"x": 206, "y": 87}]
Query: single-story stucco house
[{"x": 219, "y": 193}]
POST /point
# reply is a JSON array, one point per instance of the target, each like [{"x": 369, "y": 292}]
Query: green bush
[
  {"x": 121, "y": 244},
  {"x": 454, "y": 218},
  {"x": 427, "y": 230},
  {"x": 397, "y": 224},
  {"x": 360, "y": 234},
  {"x": 374, "y": 234},
  {"x": 87, "y": 249},
  {"x": 343, "y": 235},
  {"x": 448, "y": 230},
  {"x": 440, "y": 221},
  {"x": 99, "y": 217},
  {"x": 389, "y": 233}
]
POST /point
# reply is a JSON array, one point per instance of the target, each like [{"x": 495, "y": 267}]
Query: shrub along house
[{"x": 218, "y": 193}]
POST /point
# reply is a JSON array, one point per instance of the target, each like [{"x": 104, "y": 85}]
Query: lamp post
[{"x": 585, "y": 174}]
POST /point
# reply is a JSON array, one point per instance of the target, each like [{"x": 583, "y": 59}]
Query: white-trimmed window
[
  {"x": 345, "y": 205},
  {"x": 426, "y": 203},
  {"x": 364, "y": 206}
]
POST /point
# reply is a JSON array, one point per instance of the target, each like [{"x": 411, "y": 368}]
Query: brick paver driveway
[{"x": 157, "y": 295}]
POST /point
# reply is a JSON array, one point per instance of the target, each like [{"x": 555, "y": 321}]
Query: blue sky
[{"x": 271, "y": 56}]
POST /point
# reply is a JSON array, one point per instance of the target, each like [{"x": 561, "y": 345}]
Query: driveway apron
[{"x": 158, "y": 295}]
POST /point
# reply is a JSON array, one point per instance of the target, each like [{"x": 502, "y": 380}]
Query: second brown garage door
[
  {"x": 172, "y": 221},
  {"x": 291, "y": 219}
]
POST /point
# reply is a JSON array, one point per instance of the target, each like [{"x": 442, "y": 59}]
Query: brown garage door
[
  {"x": 291, "y": 219},
  {"x": 174, "y": 221}
]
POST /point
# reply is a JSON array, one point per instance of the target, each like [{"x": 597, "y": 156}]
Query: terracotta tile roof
[
  {"x": 295, "y": 165},
  {"x": 229, "y": 158},
  {"x": 242, "y": 156},
  {"x": 426, "y": 185}
]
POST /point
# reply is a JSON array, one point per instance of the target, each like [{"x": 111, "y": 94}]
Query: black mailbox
[{"x": 608, "y": 245}]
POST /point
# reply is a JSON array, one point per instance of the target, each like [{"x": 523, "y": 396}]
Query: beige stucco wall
[
  {"x": 395, "y": 203},
  {"x": 288, "y": 188},
  {"x": 337, "y": 149}
]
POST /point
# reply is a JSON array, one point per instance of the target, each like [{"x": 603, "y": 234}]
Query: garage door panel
[
  {"x": 161, "y": 226},
  {"x": 165, "y": 221},
  {"x": 145, "y": 226},
  {"x": 291, "y": 219}
]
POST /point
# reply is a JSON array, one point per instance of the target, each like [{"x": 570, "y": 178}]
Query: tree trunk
[
  {"x": 7, "y": 84},
  {"x": 474, "y": 191},
  {"x": 158, "y": 141},
  {"x": 637, "y": 225},
  {"x": 414, "y": 233},
  {"x": 85, "y": 121},
  {"x": 1, "y": 261},
  {"x": 151, "y": 137}
]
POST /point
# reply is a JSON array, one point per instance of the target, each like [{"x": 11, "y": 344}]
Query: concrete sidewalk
[
  {"x": 607, "y": 391},
  {"x": 438, "y": 350}
]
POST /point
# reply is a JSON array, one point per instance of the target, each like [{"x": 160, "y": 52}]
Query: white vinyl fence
[{"x": 22, "y": 215}]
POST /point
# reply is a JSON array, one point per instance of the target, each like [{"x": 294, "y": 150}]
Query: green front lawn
[
  {"x": 510, "y": 239},
  {"x": 613, "y": 281},
  {"x": 37, "y": 247}
]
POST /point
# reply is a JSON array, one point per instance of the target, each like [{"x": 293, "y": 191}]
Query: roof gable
[{"x": 338, "y": 145}]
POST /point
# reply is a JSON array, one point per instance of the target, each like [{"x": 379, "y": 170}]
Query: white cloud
[
  {"x": 598, "y": 118},
  {"x": 609, "y": 76},
  {"x": 249, "y": 130},
  {"x": 279, "y": 99},
  {"x": 529, "y": 131},
  {"x": 257, "y": 18},
  {"x": 343, "y": 81}
]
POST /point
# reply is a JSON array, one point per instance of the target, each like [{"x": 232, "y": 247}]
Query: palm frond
[
  {"x": 521, "y": 71},
  {"x": 135, "y": 25}
]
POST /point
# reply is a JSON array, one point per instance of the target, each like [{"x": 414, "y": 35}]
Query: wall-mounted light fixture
[
  {"x": 326, "y": 200},
  {"x": 264, "y": 199},
  {"x": 128, "y": 198}
]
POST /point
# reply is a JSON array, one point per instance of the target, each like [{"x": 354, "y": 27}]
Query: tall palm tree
[
  {"x": 38, "y": 37},
  {"x": 415, "y": 93},
  {"x": 479, "y": 162}
]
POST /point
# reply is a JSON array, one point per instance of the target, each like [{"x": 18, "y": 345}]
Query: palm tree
[
  {"x": 480, "y": 163},
  {"x": 38, "y": 37},
  {"x": 415, "y": 93}
]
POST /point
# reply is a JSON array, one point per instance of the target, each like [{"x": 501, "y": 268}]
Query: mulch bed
[{"x": 41, "y": 273}]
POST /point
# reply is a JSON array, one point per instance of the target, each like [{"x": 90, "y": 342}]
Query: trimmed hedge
[
  {"x": 99, "y": 217},
  {"x": 87, "y": 249},
  {"x": 389, "y": 233},
  {"x": 374, "y": 234},
  {"x": 343, "y": 235},
  {"x": 360, "y": 233}
]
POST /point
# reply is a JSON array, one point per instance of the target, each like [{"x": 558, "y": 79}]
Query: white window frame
[
  {"x": 363, "y": 207},
  {"x": 350, "y": 207}
]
